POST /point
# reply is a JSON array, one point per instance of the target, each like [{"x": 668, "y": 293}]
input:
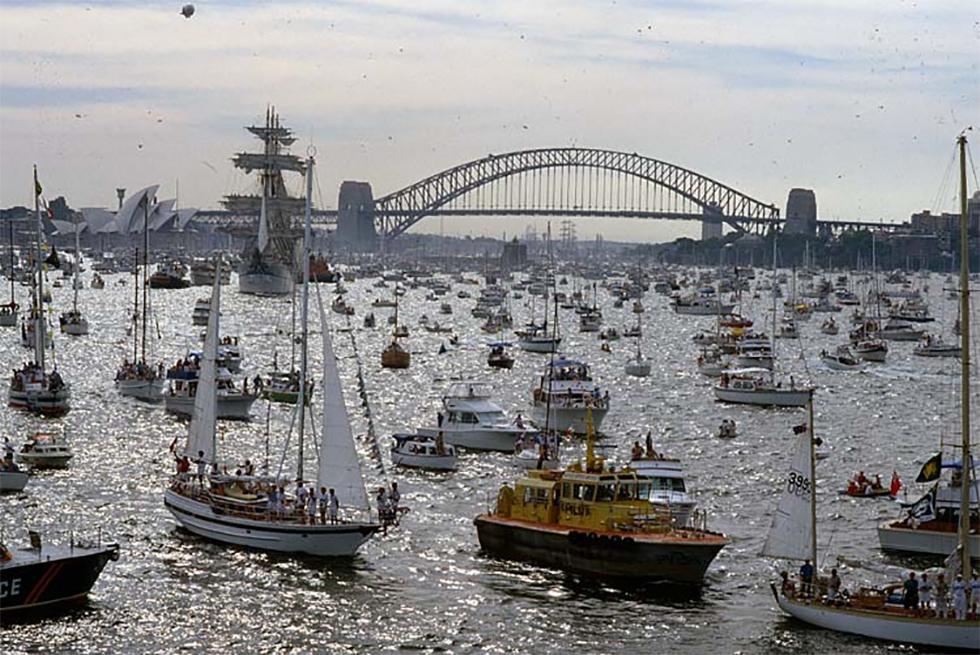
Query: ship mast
[
  {"x": 967, "y": 461},
  {"x": 39, "y": 323},
  {"x": 304, "y": 313}
]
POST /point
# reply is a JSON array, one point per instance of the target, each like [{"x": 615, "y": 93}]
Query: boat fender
[
  {"x": 114, "y": 555},
  {"x": 593, "y": 536}
]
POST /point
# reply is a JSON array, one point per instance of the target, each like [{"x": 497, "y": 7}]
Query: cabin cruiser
[
  {"x": 34, "y": 390},
  {"x": 470, "y": 419},
  {"x": 45, "y": 451},
  {"x": 750, "y": 387},
  {"x": 701, "y": 306},
  {"x": 170, "y": 276},
  {"x": 422, "y": 452},
  {"x": 564, "y": 394},
  {"x": 842, "y": 359},
  {"x": 931, "y": 346},
  {"x": 233, "y": 403},
  {"x": 202, "y": 309},
  {"x": 899, "y": 330},
  {"x": 871, "y": 350}
]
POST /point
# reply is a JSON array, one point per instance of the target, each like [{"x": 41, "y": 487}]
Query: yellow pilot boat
[{"x": 595, "y": 520}]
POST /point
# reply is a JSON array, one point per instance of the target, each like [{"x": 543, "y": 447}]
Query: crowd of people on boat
[
  {"x": 942, "y": 599},
  {"x": 31, "y": 374},
  {"x": 575, "y": 398},
  {"x": 139, "y": 371},
  {"x": 307, "y": 504},
  {"x": 917, "y": 595},
  {"x": 861, "y": 485}
]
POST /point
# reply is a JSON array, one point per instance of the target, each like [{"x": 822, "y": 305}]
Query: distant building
[
  {"x": 925, "y": 222},
  {"x": 801, "y": 212},
  {"x": 514, "y": 255}
]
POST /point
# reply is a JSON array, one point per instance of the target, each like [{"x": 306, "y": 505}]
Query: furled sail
[
  {"x": 339, "y": 465},
  {"x": 200, "y": 437},
  {"x": 792, "y": 528},
  {"x": 263, "y": 227}
]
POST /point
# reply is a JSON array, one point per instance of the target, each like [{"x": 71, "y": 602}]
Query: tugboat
[
  {"x": 44, "y": 576},
  {"x": 595, "y": 520}
]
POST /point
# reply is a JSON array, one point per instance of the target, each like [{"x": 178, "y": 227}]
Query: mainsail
[
  {"x": 200, "y": 437},
  {"x": 791, "y": 533},
  {"x": 339, "y": 466}
]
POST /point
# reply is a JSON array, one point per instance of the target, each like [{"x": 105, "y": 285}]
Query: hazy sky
[{"x": 860, "y": 101}]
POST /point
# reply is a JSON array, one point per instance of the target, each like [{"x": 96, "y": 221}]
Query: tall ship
[{"x": 267, "y": 262}]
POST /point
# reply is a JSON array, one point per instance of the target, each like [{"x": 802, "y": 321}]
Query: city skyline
[{"x": 860, "y": 102}]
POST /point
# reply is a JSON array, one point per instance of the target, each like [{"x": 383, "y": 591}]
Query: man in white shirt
[
  {"x": 334, "y": 506},
  {"x": 959, "y": 597}
]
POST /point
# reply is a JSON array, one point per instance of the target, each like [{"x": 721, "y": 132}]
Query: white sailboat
[
  {"x": 33, "y": 388},
  {"x": 254, "y": 511},
  {"x": 866, "y": 612},
  {"x": 72, "y": 322},
  {"x": 638, "y": 366}
]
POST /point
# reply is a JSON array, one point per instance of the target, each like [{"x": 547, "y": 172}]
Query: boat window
[
  {"x": 606, "y": 492},
  {"x": 566, "y": 490},
  {"x": 467, "y": 417},
  {"x": 643, "y": 490},
  {"x": 626, "y": 490},
  {"x": 668, "y": 484},
  {"x": 584, "y": 492}
]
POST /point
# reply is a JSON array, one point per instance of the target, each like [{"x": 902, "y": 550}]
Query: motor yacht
[
  {"x": 471, "y": 419},
  {"x": 422, "y": 452},
  {"x": 564, "y": 393},
  {"x": 45, "y": 451}
]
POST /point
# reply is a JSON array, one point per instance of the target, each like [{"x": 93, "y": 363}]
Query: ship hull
[
  {"x": 561, "y": 419},
  {"x": 336, "y": 540},
  {"x": 46, "y": 583},
  {"x": 923, "y": 542},
  {"x": 771, "y": 398},
  {"x": 272, "y": 279},
  {"x": 638, "y": 558},
  {"x": 147, "y": 390},
  {"x": 921, "y": 631},
  {"x": 499, "y": 440},
  {"x": 45, "y": 403},
  {"x": 229, "y": 407}
]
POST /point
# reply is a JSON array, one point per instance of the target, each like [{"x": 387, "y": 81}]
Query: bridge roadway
[{"x": 233, "y": 221}]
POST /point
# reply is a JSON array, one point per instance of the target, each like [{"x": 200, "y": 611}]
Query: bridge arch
[{"x": 400, "y": 210}]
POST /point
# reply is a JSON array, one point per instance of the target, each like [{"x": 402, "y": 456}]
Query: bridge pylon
[{"x": 355, "y": 217}]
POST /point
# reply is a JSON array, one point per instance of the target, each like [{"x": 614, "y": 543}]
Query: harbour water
[{"x": 425, "y": 586}]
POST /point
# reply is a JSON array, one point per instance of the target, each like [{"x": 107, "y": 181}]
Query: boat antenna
[{"x": 967, "y": 461}]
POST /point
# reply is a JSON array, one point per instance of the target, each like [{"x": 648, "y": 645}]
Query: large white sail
[
  {"x": 339, "y": 465},
  {"x": 792, "y": 529},
  {"x": 200, "y": 438},
  {"x": 263, "y": 227}
]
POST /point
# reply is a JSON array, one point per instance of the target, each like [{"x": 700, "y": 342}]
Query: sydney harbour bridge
[{"x": 555, "y": 182}]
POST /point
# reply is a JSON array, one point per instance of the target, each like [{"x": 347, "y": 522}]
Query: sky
[{"x": 860, "y": 101}]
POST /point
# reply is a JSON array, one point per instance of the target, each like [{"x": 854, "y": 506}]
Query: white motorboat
[
  {"x": 871, "y": 350},
  {"x": 45, "y": 451},
  {"x": 202, "y": 309},
  {"x": 537, "y": 339},
  {"x": 422, "y": 452},
  {"x": 701, "y": 306},
  {"x": 563, "y": 395},
  {"x": 932, "y": 346},
  {"x": 899, "y": 330},
  {"x": 232, "y": 402},
  {"x": 531, "y": 458},
  {"x": 928, "y": 527},
  {"x": 842, "y": 359},
  {"x": 750, "y": 387},
  {"x": 669, "y": 491},
  {"x": 73, "y": 323},
  {"x": 639, "y": 367},
  {"x": 470, "y": 419}
]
